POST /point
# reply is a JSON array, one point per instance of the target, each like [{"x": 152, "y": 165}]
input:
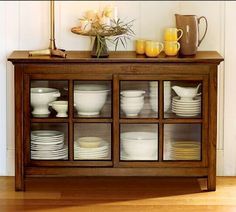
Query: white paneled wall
[{"x": 25, "y": 25}]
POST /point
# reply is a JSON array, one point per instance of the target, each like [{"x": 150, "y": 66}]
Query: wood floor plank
[{"x": 117, "y": 194}]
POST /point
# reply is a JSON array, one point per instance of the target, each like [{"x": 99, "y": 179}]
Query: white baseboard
[{"x": 220, "y": 162}]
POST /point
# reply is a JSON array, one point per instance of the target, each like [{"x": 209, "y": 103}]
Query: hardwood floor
[{"x": 121, "y": 194}]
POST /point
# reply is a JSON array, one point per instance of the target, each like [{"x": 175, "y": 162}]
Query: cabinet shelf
[
  {"x": 92, "y": 120},
  {"x": 49, "y": 120}
]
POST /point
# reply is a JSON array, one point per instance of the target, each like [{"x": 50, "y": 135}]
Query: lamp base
[{"x": 49, "y": 52}]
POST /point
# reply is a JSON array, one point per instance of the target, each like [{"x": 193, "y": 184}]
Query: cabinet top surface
[{"x": 116, "y": 57}]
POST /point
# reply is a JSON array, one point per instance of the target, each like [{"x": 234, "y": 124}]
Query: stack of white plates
[
  {"x": 186, "y": 107},
  {"x": 91, "y": 153},
  {"x": 48, "y": 145},
  {"x": 139, "y": 146},
  {"x": 153, "y": 86},
  {"x": 185, "y": 150}
]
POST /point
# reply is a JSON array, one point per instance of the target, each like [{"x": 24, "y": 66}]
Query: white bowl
[
  {"x": 132, "y": 99},
  {"x": 132, "y": 109},
  {"x": 61, "y": 107},
  {"x": 89, "y": 103},
  {"x": 89, "y": 142},
  {"x": 132, "y": 93},
  {"x": 40, "y": 98},
  {"x": 139, "y": 143}
]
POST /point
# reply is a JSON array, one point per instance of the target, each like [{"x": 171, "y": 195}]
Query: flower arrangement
[{"x": 103, "y": 25}]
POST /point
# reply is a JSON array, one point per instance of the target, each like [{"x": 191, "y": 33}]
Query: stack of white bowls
[
  {"x": 91, "y": 148},
  {"x": 89, "y": 99},
  {"x": 139, "y": 146},
  {"x": 132, "y": 102}
]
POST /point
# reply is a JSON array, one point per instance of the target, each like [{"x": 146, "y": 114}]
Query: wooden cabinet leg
[
  {"x": 211, "y": 183},
  {"x": 19, "y": 183}
]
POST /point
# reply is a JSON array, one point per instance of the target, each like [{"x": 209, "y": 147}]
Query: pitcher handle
[{"x": 199, "y": 19}]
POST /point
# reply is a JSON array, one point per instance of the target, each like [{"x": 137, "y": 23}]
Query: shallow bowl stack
[
  {"x": 48, "y": 145},
  {"x": 185, "y": 150},
  {"x": 91, "y": 148},
  {"x": 139, "y": 146},
  {"x": 132, "y": 102}
]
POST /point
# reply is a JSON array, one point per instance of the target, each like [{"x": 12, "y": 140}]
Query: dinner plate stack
[
  {"x": 48, "y": 145},
  {"x": 100, "y": 152},
  {"x": 186, "y": 107},
  {"x": 139, "y": 146},
  {"x": 185, "y": 150}
]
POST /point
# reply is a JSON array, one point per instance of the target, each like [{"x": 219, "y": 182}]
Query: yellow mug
[
  {"x": 171, "y": 48},
  {"x": 153, "y": 48},
  {"x": 140, "y": 46},
  {"x": 171, "y": 34}
]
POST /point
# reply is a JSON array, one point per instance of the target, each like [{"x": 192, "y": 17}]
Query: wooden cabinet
[{"x": 153, "y": 132}]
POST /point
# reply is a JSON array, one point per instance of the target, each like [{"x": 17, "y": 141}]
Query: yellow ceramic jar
[
  {"x": 140, "y": 46},
  {"x": 153, "y": 48},
  {"x": 171, "y": 48}
]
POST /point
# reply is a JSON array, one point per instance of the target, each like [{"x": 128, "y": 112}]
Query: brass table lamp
[{"x": 52, "y": 49}]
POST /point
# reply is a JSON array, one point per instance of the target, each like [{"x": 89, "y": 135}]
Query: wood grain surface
[{"x": 118, "y": 194}]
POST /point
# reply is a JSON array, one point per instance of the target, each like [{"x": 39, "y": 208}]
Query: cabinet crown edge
[{"x": 209, "y": 57}]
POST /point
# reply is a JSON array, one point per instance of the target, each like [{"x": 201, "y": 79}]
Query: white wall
[{"x": 25, "y": 26}]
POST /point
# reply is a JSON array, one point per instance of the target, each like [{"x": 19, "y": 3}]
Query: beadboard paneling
[{"x": 26, "y": 26}]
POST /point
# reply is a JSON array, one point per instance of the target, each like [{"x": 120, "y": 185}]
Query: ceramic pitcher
[{"x": 190, "y": 41}]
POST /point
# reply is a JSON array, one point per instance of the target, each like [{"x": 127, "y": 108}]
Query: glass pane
[
  {"x": 49, "y": 141},
  {"x": 139, "y": 142},
  {"x": 182, "y": 99},
  {"x": 49, "y": 98},
  {"x": 92, "y": 98},
  {"x": 139, "y": 99},
  {"x": 92, "y": 141},
  {"x": 182, "y": 142}
]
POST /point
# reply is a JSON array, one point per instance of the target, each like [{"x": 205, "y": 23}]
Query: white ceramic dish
[
  {"x": 132, "y": 93},
  {"x": 40, "y": 98},
  {"x": 89, "y": 142},
  {"x": 61, "y": 107},
  {"x": 132, "y": 109},
  {"x": 186, "y": 92},
  {"x": 89, "y": 101}
]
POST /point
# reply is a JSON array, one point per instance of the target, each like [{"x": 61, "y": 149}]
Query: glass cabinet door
[
  {"x": 92, "y": 99},
  {"x": 138, "y": 99},
  {"x": 92, "y": 141},
  {"x": 49, "y": 98},
  {"x": 182, "y": 141},
  {"x": 139, "y": 142},
  {"x": 182, "y": 99}
]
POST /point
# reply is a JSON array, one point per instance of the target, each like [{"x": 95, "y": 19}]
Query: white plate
[
  {"x": 46, "y": 133},
  {"x": 194, "y": 100},
  {"x": 187, "y": 115}
]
